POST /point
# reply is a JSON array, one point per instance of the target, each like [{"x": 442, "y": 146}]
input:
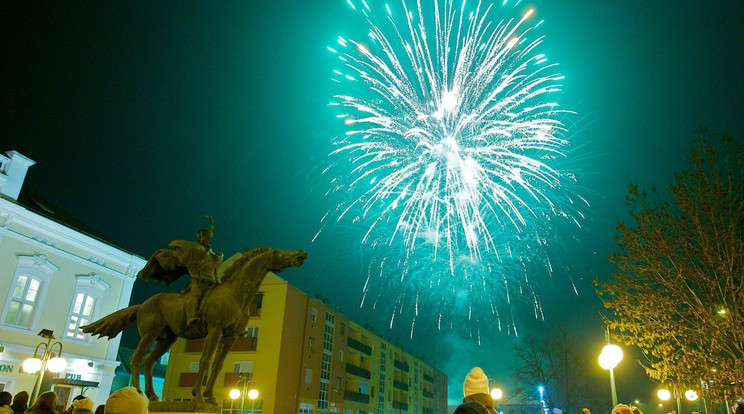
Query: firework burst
[{"x": 447, "y": 163}]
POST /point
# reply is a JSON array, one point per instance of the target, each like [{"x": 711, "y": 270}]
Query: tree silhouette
[{"x": 676, "y": 291}]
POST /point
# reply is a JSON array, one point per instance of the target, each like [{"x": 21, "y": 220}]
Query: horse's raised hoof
[
  {"x": 152, "y": 396},
  {"x": 211, "y": 399}
]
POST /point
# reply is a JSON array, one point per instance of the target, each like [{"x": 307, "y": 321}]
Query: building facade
[
  {"x": 305, "y": 357},
  {"x": 54, "y": 277}
]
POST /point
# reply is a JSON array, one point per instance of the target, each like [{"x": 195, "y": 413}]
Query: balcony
[
  {"x": 188, "y": 379},
  {"x": 353, "y": 343},
  {"x": 401, "y": 365},
  {"x": 428, "y": 378},
  {"x": 246, "y": 344},
  {"x": 358, "y": 371},
  {"x": 400, "y": 405},
  {"x": 356, "y": 396},
  {"x": 400, "y": 385},
  {"x": 428, "y": 394},
  {"x": 242, "y": 344},
  {"x": 231, "y": 378}
]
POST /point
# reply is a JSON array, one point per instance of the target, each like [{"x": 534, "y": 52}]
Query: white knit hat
[
  {"x": 83, "y": 404},
  {"x": 126, "y": 401},
  {"x": 476, "y": 382}
]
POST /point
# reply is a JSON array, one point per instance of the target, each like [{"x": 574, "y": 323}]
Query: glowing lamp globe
[
  {"x": 611, "y": 356},
  {"x": 32, "y": 365},
  {"x": 234, "y": 393},
  {"x": 691, "y": 395},
  {"x": 56, "y": 364},
  {"x": 253, "y": 394},
  {"x": 496, "y": 393},
  {"x": 664, "y": 394}
]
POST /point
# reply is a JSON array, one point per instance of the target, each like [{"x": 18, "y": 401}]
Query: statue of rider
[{"x": 197, "y": 259}]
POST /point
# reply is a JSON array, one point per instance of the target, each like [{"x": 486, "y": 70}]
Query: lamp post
[
  {"x": 610, "y": 356},
  {"x": 48, "y": 360},
  {"x": 496, "y": 392},
  {"x": 543, "y": 406},
  {"x": 664, "y": 395},
  {"x": 252, "y": 392}
]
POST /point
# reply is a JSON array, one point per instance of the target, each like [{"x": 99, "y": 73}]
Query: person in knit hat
[
  {"x": 72, "y": 406},
  {"x": 82, "y": 406},
  {"x": 475, "y": 388},
  {"x": 471, "y": 407},
  {"x": 126, "y": 401}
]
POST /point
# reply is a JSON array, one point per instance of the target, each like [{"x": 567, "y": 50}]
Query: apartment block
[{"x": 305, "y": 357}]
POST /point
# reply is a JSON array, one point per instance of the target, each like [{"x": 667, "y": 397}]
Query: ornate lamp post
[
  {"x": 48, "y": 360},
  {"x": 252, "y": 393},
  {"x": 610, "y": 356}
]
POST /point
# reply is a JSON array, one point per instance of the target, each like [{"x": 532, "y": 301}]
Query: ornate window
[
  {"x": 88, "y": 294},
  {"x": 28, "y": 291}
]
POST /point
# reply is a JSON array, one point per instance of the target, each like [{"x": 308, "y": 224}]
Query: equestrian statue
[{"x": 211, "y": 307}]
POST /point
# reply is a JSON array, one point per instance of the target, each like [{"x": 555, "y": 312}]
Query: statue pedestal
[{"x": 182, "y": 407}]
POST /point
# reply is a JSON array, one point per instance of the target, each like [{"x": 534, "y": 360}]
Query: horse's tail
[{"x": 112, "y": 324}]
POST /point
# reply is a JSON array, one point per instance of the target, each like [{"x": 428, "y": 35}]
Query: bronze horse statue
[{"x": 224, "y": 314}]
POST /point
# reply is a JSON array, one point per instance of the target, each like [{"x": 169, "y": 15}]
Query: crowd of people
[
  {"x": 124, "y": 401},
  {"x": 477, "y": 399},
  {"x": 128, "y": 400}
]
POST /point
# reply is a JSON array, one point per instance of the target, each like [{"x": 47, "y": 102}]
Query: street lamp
[
  {"x": 543, "y": 406},
  {"x": 48, "y": 360},
  {"x": 610, "y": 356},
  {"x": 252, "y": 393},
  {"x": 496, "y": 392},
  {"x": 664, "y": 394}
]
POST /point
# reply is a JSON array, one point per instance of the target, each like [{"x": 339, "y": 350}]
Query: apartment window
[
  {"x": 340, "y": 355},
  {"x": 230, "y": 406},
  {"x": 256, "y": 304},
  {"x": 342, "y": 329},
  {"x": 313, "y": 314},
  {"x": 258, "y": 300},
  {"x": 194, "y": 366},
  {"x": 311, "y": 344},
  {"x": 250, "y": 332},
  {"x": 243, "y": 367},
  {"x": 28, "y": 291},
  {"x": 88, "y": 294},
  {"x": 308, "y": 375}
]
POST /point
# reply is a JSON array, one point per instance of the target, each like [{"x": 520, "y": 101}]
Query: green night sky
[{"x": 145, "y": 116}]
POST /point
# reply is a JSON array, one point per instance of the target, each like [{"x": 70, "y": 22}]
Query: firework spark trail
[{"x": 451, "y": 135}]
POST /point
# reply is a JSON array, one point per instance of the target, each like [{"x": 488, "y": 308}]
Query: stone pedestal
[{"x": 182, "y": 407}]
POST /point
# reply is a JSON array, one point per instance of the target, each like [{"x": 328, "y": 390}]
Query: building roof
[{"x": 43, "y": 207}]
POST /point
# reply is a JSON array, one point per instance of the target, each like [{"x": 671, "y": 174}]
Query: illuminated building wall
[
  {"x": 55, "y": 276},
  {"x": 305, "y": 357}
]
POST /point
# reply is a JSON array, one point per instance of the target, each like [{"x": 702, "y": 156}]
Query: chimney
[{"x": 13, "y": 168}]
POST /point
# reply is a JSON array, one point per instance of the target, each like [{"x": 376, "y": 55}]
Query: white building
[{"x": 55, "y": 277}]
